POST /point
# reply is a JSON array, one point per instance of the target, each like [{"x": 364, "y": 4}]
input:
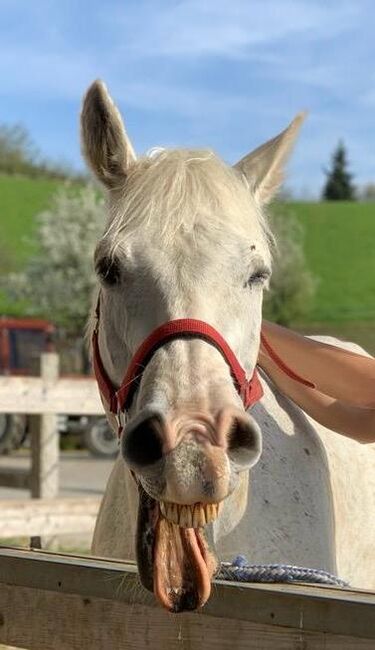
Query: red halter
[{"x": 120, "y": 399}]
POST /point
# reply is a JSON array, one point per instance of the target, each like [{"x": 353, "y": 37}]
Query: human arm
[
  {"x": 352, "y": 421},
  {"x": 336, "y": 372}
]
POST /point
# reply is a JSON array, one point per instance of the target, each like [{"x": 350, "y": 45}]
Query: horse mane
[{"x": 168, "y": 191}]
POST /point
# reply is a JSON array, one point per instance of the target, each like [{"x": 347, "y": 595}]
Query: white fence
[
  {"x": 42, "y": 399},
  {"x": 49, "y": 394}
]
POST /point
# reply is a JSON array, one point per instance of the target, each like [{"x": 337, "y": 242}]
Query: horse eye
[
  {"x": 258, "y": 278},
  {"x": 108, "y": 270}
]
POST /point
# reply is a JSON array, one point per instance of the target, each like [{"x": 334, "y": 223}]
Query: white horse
[{"x": 186, "y": 237}]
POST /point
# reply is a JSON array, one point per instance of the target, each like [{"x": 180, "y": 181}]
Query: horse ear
[
  {"x": 105, "y": 144},
  {"x": 264, "y": 167}
]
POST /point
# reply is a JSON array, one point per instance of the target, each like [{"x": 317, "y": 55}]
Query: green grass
[
  {"x": 339, "y": 242},
  {"x": 20, "y": 199}
]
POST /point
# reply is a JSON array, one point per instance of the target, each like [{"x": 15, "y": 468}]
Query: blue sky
[{"x": 221, "y": 74}]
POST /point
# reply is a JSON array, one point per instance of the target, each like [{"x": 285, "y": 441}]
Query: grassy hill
[
  {"x": 339, "y": 242},
  {"x": 20, "y": 200}
]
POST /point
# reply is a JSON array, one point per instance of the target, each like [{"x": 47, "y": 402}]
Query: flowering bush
[{"x": 57, "y": 282}]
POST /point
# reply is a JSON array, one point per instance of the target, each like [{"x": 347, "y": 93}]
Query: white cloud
[{"x": 193, "y": 28}]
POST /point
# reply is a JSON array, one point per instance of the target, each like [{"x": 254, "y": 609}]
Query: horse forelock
[{"x": 169, "y": 191}]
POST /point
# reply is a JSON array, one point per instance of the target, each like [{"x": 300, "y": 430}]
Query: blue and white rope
[{"x": 239, "y": 570}]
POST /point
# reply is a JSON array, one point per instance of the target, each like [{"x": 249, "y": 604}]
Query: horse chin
[{"x": 175, "y": 563}]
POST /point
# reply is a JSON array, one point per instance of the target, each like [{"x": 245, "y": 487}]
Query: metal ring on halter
[{"x": 121, "y": 419}]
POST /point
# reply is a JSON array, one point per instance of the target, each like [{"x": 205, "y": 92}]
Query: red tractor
[{"x": 22, "y": 340}]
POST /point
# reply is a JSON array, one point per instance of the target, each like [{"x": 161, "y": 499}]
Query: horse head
[{"x": 185, "y": 238}]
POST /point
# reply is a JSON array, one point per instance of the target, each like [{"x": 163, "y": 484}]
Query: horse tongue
[{"x": 182, "y": 567}]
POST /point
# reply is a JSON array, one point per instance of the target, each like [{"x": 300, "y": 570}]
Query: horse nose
[
  {"x": 142, "y": 443},
  {"x": 148, "y": 439}
]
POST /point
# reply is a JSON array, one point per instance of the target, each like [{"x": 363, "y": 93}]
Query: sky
[{"x": 219, "y": 74}]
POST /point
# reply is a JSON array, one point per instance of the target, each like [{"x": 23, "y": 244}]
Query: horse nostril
[
  {"x": 240, "y": 435},
  {"x": 142, "y": 445},
  {"x": 244, "y": 442}
]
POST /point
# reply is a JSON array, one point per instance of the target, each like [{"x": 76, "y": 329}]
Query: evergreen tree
[{"x": 338, "y": 186}]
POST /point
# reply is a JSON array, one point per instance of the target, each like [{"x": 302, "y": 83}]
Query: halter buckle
[{"x": 121, "y": 419}]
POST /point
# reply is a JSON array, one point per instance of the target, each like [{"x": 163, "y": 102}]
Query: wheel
[
  {"x": 100, "y": 439},
  {"x": 12, "y": 432}
]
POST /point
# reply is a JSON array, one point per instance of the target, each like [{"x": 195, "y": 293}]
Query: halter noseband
[{"x": 120, "y": 399}]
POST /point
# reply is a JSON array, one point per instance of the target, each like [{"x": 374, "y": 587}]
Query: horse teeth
[
  {"x": 199, "y": 515},
  {"x": 175, "y": 513},
  {"x": 190, "y": 516},
  {"x": 196, "y": 516},
  {"x": 209, "y": 513},
  {"x": 172, "y": 514},
  {"x": 190, "y": 510},
  {"x": 185, "y": 517},
  {"x": 181, "y": 519}
]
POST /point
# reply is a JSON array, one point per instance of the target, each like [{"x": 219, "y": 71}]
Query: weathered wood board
[
  {"x": 47, "y": 517},
  {"x": 69, "y": 603},
  {"x": 73, "y": 396}
]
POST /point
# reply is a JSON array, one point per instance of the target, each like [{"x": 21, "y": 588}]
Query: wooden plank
[
  {"x": 302, "y": 608},
  {"x": 44, "y": 478},
  {"x": 41, "y": 620},
  {"x": 44, "y": 475},
  {"x": 15, "y": 477},
  {"x": 71, "y": 396},
  {"x": 47, "y": 517}
]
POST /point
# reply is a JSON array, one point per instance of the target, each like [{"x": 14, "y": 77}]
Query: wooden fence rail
[
  {"x": 42, "y": 399},
  {"x": 48, "y": 517},
  {"x": 76, "y": 603},
  {"x": 50, "y": 394}
]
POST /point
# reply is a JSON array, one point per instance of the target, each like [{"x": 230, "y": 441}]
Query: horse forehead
[
  {"x": 183, "y": 264},
  {"x": 186, "y": 246}
]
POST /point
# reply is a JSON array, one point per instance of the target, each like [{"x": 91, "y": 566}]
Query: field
[
  {"x": 339, "y": 243},
  {"x": 20, "y": 199}
]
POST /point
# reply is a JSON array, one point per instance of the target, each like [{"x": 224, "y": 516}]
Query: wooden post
[{"x": 44, "y": 480}]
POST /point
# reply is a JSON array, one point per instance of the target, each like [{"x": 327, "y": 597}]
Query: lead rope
[{"x": 240, "y": 571}]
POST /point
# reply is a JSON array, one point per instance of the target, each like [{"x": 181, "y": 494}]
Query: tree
[
  {"x": 338, "y": 186},
  {"x": 17, "y": 152},
  {"x": 18, "y": 155},
  {"x": 57, "y": 282},
  {"x": 292, "y": 285}
]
